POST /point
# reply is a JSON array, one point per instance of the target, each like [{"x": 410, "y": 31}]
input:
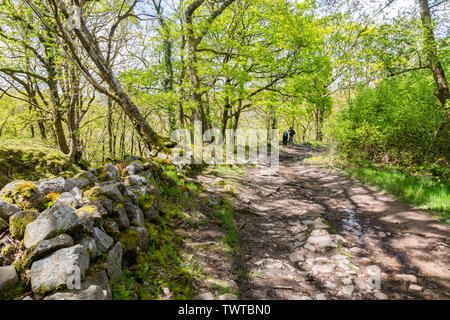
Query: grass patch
[
  {"x": 422, "y": 192},
  {"x": 225, "y": 215}
]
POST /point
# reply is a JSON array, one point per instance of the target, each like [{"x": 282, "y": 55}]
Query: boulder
[
  {"x": 65, "y": 266},
  {"x": 114, "y": 261},
  {"x": 102, "y": 240},
  {"x": 88, "y": 175},
  {"x": 79, "y": 183},
  {"x": 69, "y": 199},
  {"x": 137, "y": 217},
  {"x": 88, "y": 291},
  {"x": 91, "y": 247},
  {"x": 8, "y": 277},
  {"x": 406, "y": 277},
  {"x": 77, "y": 193},
  {"x": 45, "y": 247},
  {"x": 135, "y": 180},
  {"x": 24, "y": 194},
  {"x": 140, "y": 190},
  {"x": 135, "y": 167},
  {"x": 110, "y": 173},
  {"x": 111, "y": 227},
  {"x": 96, "y": 203},
  {"x": 146, "y": 174},
  {"x": 106, "y": 203},
  {"x": 348, "y": 290},
  {"x": 52, "y": 186},
  {"x": 415, "y": 288},
  {"x": 119, "y": 211},
  {"x": 6, "y": 254},
  {"x": 7, "y": 209},
  {"x": 143, "y": 237},
  {"x": 53, "y": 221},
  {"x": 96, "y": 288},
  {"x": 112, "y": 191},
  {"x": 89, "y": 215}
]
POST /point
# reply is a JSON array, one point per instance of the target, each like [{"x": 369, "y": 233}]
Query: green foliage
[{"x": 399, "y": 124}]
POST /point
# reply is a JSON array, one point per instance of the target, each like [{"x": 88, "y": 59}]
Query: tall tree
[{"x": 433, "y": 59}]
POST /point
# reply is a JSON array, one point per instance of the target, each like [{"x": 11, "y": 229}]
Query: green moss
[
  {"x": 23, "y": 195},
  {"x": 115, "y": 233},
  {"x": 31, "y": 159},
  {"x": 21, "y": 264},
  {"x": 129, "y": 239},
  {"x": 7, "y": 249},
  {"x": 89, "y": 209},
  {"x": 12, "y": 291},
  {"x": 18, "y": 224},
  {"x": 96, "y": 267},
  {"x": 93, "y": 193},
  {"x": 102, "y": 177},
  {"x": 4, "y": 222}
]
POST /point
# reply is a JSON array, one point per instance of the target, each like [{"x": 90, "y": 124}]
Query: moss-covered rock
[
  {"x": 24, "y": 194},
  {"x": 130, "y": 239},
  {"x": 19, "y": 221},
  {"x": 93, "y": 193}
]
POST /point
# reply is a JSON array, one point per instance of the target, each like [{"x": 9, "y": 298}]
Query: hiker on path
[
  {"x": 285, "y": 138},
  {"x": 291, "y": 136}
]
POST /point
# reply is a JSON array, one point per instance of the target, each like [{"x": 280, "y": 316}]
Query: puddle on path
[{"x": 354, "y": 227}]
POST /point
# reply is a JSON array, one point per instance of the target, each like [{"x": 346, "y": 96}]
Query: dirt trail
[{"x": 369, "y": 246}]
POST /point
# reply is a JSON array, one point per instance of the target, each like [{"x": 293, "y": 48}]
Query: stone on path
[
  {"x": 406, "y": 277},
  {"x": 380, "y": 296},
  {"x": 296, "y": 256},
  {"x": 415, "y": 288},
  {"x": 204, "y": 296},
  {"x": 322, "y": 241},
  {"x": 227, "y": 296},
  {"x": 322, "y": 296},
  {"x": 348, "y": 290}
]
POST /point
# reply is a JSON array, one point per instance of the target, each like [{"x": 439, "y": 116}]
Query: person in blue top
[{"x": 285, "y": 137}]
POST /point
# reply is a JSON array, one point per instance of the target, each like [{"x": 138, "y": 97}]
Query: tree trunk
[
  {"x": 319, "y": 120},
  {"x": 435, "y": 64},
  {"x": 110, "y": 133}
]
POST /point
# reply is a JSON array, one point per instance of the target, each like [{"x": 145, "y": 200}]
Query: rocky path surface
[{"x": 308, "y": 233}]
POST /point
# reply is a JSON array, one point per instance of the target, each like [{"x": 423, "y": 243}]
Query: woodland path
[{"x": 288, "y": 252}]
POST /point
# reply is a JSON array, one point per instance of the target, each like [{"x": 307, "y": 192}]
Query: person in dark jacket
[
  {"x": 285, "y": 138},
  {"x": 291, "y": 136}
]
